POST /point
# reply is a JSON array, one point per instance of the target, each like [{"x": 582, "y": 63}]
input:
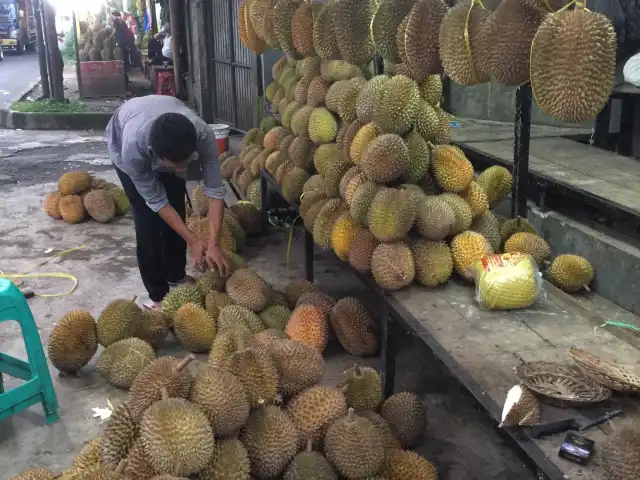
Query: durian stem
[
  {"x": 164, "y": 393},
  {"x": 351, "y": 414},
  {"x": 309, "y": 445},
  {"x": 262, "y": 403},
  {"x": 586, "y": 288},
  {"x": 356, "y": 370},
  {"x": 134, "y": 298},
  {"x": 185, "y": 361},
  {"x": 121, "y": 466}
]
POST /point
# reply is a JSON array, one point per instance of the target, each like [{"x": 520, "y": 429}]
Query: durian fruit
[
  {"x": 275, "y": 317},
  {"x": 293, "y": 183},
  {"x": 463, "y": 21},
  {"x": 165, "y": 372},
  {"x": 451, "y": 168},
  {"x": 194, "y": 327},
  {"x": 308, "y": 324},
  {"x": 177, "y": 436},
  {"x": 392, "y": 266},
  {"x": 529, "y": 243},
  {"x": 257, "y": 371},
  {"x": 419, "y": 157},
  {"x": 385, "y": 158},
  {"x": 390, "y": 442},
  {"x": 283, "y": 11},
  {"x": 180, "y": 296},
  {"x": 520, "y": 408},
  {"x": 361, "y": 252},
  {"x": 573, "y": 83},
  {"x": 51, "y": 207},
  {"x": 515, "y": 225},
  {"x": 318, "y": 299},
  {"x": 299, "y": 366},
  {"x": 35, "y": 474},
  {"x": 308, "y": 465},
  {"x": 248, "y": 35},
  {"x": 476, "y": 198},
  {"x": 74, "y": 183},
  {"x": 248, "y": 289},
  {"x": 233, "y": 316},
  {"x": 435, "y": 218},
  {"x": 222, "y": 396},
  {"x": 324, "y": 221},
  {"x": 120, "y": 200},
  {"x": 302, "y": 28},
  {"x": 620, "y": 455},
  {"x": 122, "y": 361},
  {"x": 397, "y": 106},
  {"x": 406, "y": 415},
  {"x": 402, "y": 464},
  {"x": 226, "y": 343},
  {"x": 505, "y": 41},
  {"x": 266, "y": 337},
  {"x": 73, "y": 341},
  {"x": 71, "y": 209},
  {"x": 431, "y": 88},
  {"x": 230, "y": 461},
  {"x": 421, "y": 38},
  {"x": 391, "y": 214},
  {"x": 361, "y": 202},
  {"x": 313, "y": 409},
  {"x": 249, "y": 217},
  {"x": 368, "y": 96},
  {"x": 488, "y": 225},
  {"x": 462, "y": 212},
  {"x": 324, "y": 39},
  {"x": 433, "y": 260},
  {"x": 199, "y": 201},
  {"x": 296, "y": 288},
  {"x": 362, "y": 387},
  {"x": 351, "y": 20},
  {"x": 354, "y": 446},
  {"x": 271, "y": 440},
  {"x": 119, "y": 320},
  {"x": 118, "y": 437},
  {"x": 354, "y": 327},
  {"x": 384, "y": 26},
  {"x": 342, "y": 234},
  {"x": 570, "y": 273},
  {"x": 466, "y": 248},
  {"x": 89, "y": 455},
  {"x": 322, "y": 127}
]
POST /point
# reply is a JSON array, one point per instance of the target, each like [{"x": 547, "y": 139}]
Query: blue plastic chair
[{"x": 38, "y": 387}]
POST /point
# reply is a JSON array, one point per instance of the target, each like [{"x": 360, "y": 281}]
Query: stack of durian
[
  {"x": 255, "y": 408},
  {"x": 80, "y": 196},
  {"x": 369, "y": 160},
  {"x": 98, "y": 44}
]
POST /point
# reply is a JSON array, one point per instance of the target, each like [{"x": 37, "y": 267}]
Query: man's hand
[
  {"x": 216, "y": 259},
  {"x": 198, "y": 249}
]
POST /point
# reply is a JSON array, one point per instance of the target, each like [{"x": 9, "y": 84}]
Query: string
[{"x": 467, "y": 40}]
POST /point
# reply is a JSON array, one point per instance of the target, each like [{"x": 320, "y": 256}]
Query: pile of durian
[
  {"x": 81, "y": 196},
  {"x": 378, "y": 183},
  {"x": 566, "y": 51},
  {"x": 255, "y": 408},
  {"x": 98, "y": 44}
]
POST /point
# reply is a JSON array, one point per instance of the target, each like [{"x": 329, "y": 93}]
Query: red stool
[{"x": 165, "y": 84}]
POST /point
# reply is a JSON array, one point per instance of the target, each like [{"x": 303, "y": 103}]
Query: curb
[
  {"x": 10, "y": 119},
  {"x": 54, "y": 121}
]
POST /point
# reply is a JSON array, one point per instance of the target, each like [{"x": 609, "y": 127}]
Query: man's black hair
[
  {"x": 116, "y": 13},
  {"x": 173, "y": 137}
]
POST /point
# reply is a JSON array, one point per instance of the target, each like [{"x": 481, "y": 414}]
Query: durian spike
[
  {"x": 185, "y": 361},
  {"x": 351, "y": 414},
  {"x": 164, "y": 393},
  {"x": 121, "y": 466},
  {"x": 356, "y": 369},
  {"x": 309, "y": 447}
]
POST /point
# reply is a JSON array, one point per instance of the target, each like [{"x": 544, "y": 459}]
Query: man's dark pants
[{"x": 162, "y": 253}]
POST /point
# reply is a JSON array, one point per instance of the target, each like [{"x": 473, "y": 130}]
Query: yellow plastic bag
[{"x": 507, "y": 281}]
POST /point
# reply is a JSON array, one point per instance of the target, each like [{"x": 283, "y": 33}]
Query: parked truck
[{"x": 17, "y": 25}]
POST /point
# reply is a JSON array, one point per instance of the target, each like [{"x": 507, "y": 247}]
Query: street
[{"x": 17, "y": 72}]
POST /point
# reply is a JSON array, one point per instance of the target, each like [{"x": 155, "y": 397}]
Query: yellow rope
[
  {"x": 467, "y": 40},
  {"x": 68, "y": 276},
  {"x": 289, "y": 244}
]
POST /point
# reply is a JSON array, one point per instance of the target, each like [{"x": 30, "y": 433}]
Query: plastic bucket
[{"x": 221, "y": 131}]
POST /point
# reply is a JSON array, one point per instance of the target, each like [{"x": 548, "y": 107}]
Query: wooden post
[
  {"x": 55, "y": 57},
  {"x": 77, "y": 50},
  {"x": 42, "y": 51},
  {"x": 176, "y": 31}
]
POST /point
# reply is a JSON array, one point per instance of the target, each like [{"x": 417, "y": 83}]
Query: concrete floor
[{"x": 459, "y": 439}]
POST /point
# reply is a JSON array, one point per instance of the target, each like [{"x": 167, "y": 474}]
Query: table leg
[{"x": 387, "y": 351}]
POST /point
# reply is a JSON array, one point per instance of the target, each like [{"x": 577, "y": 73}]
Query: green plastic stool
[{"x": 38, "y": 386}]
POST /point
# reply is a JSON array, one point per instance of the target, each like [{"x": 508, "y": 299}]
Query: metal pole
[
  {"x": 75, "y": 41},
  {"x": 152, "y": 14},
  {"x": 42, "y": 52},
  {"x": 55, "y": 58},
  {"x": 522, "y": 135},
  {"x": 176, "y": 32}
]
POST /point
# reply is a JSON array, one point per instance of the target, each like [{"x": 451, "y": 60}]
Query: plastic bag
[
  {"x": 507, "y": 281},
  {"x": 631, "y": 70}
]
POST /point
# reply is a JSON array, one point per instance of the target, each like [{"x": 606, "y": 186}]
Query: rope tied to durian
[
  {"x": 289, "y": 245},
  {"x": 26, "y": 274},
  {"x": 467, "y": 40}
]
